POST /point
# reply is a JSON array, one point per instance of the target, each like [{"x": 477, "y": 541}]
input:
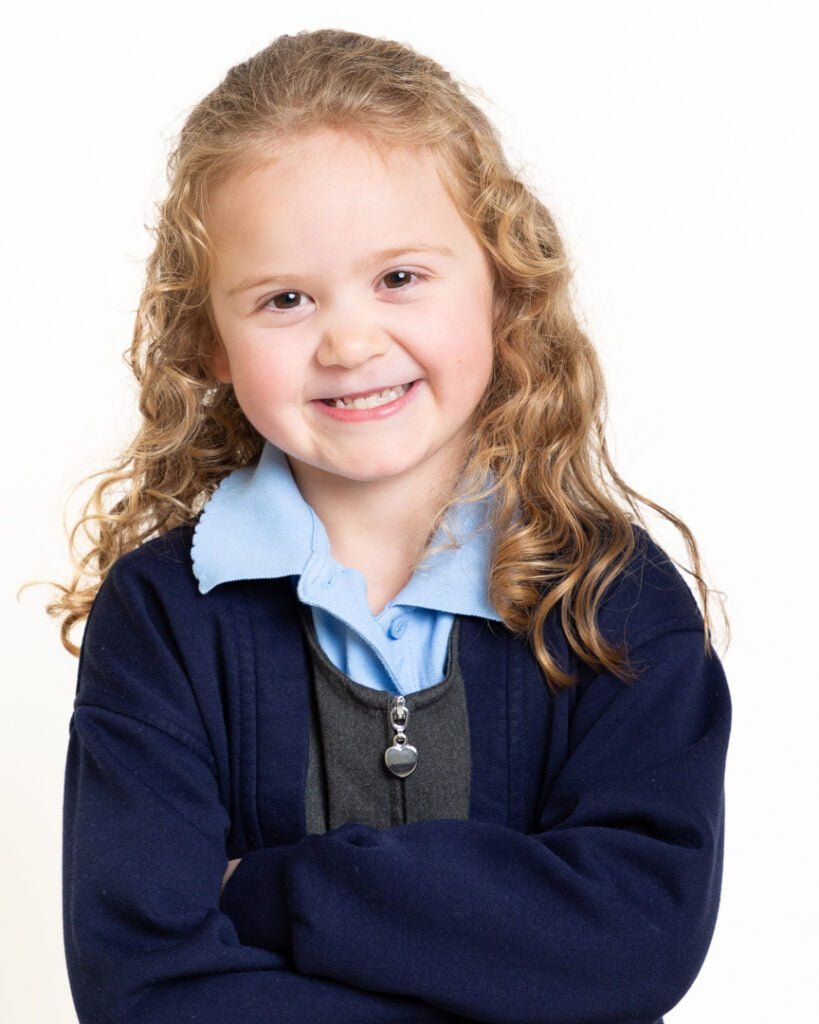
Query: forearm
[
  {"x": 605, "y": 912},
  {"x": 145, "y": 939}
]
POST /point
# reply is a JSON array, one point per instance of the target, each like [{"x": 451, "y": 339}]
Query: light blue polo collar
[{"x": 256, "y": 525}]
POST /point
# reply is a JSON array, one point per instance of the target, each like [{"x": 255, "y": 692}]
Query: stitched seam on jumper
[
  {"x": 132, "y": 771},
  {"x": 163, "y": 725}
]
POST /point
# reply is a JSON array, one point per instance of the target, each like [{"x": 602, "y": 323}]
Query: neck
[
  {"x": 379, "y": 527},
  {"x": 356, "y": 512}
]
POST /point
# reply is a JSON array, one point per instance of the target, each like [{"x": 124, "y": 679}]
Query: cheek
[
  {"x": 471, "y": 346},
  {"x": 261, "y": 397},
  {"x": 267, "y": 370}
]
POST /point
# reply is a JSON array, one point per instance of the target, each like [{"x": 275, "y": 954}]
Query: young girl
[{"x": 389, "y": 709}]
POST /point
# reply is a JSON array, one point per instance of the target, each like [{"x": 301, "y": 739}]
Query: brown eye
[
  {"x": 399, "y": 278},
  {"x": 285, "y": 300}
]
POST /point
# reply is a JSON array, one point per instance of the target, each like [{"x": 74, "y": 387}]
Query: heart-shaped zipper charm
[{"x": 401, "y": 758}]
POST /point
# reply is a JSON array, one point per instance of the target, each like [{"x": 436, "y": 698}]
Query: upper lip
[{"x": 365, "y": 391}]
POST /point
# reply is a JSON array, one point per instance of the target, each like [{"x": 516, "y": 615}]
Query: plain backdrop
[{"x": 676, "y": 145}]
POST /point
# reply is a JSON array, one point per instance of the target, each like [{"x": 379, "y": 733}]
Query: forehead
[{"x": 333, "y": 182}]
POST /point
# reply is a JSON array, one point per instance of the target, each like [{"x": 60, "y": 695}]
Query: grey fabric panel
[{"x": 347, "y": 779}]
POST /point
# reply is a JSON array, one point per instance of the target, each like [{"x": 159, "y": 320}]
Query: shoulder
[
  {"x": 150, "y": 588},
  {"x": 164, "y": 560},
  {"x": 153, "y": 591},
  {"x": 150, "y": 607},
  {"x": 152, "y": 640},
  {"x": 157, "y": 650},
  {"x": 130, "y": 649},
  {"x": 679, "y": 693},
  {"x": 649, "y": 597},
  {"x": 646, "y": 599}
]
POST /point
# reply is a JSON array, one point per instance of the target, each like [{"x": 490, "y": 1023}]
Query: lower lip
[{"x": 378, "y": 412}]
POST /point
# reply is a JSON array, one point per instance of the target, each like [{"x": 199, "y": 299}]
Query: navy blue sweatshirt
[{"x": 583, "y": 888}]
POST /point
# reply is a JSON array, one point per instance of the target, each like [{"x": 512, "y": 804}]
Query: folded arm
[
  {"x": 604, "y": 913},
  {"x": 144, "y": 844},
  {"x": 144, "y": 855}
]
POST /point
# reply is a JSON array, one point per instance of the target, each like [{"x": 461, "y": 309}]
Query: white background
[{"x": 676, "y": 144}]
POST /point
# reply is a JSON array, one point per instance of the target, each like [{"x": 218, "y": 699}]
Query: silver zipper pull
[{"x": 401, "y": 757}]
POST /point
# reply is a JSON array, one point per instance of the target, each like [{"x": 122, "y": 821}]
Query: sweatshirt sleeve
[
  {"x": 603, "y": 912},
  {"x": 144, "y": 855}
]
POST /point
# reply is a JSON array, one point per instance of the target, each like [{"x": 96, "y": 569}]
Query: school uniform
[{"x": 549, "y": 859}]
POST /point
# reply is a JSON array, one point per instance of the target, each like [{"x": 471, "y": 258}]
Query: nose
[{"x": 351, "y": 342}]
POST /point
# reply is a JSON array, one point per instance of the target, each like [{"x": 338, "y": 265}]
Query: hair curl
[{"x": 562, "y": 517}]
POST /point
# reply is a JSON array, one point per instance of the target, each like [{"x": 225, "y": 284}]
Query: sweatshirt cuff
[{"x": 255, "y": 899}]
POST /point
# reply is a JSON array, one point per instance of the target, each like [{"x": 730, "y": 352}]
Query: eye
[
  {"x": 400, "y": 278},
  {"x": 283, "y": 301}
]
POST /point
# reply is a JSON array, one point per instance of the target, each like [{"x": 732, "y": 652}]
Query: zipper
[{"x": 401, "y": 756}]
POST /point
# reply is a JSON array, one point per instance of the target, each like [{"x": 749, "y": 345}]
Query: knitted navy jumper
[{"x": 582, "y": 887}]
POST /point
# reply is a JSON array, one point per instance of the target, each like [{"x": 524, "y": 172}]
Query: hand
[{"x": 232, "y": 865}]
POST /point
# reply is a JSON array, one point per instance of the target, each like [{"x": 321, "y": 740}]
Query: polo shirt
[{"x": 257, "y": 525}]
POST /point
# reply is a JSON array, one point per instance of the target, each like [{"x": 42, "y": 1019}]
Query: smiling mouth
[{"x": 370, "y": 400}]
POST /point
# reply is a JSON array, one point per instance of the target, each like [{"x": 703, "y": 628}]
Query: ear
[
  {"x": 497, "y": 302},
  {"x": 213, "y": 352},
  {"x": 219, "y": 362}
]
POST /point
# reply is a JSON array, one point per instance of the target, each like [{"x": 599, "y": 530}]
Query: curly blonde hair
[{"x": 562, "y": 517}]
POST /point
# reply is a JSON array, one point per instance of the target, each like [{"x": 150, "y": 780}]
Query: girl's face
[{"x": 354, "y": 308}]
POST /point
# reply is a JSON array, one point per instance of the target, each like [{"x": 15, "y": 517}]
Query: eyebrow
[{"x": 377, "y": 257}]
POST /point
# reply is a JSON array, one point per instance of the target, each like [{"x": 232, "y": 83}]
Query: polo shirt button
[{"x": 398, "y": 627}]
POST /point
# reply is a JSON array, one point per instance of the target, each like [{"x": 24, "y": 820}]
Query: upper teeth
[{"x": 376, "y": 398}]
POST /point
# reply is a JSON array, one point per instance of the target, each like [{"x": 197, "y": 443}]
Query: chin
[{"x": 374, "y": 473}]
